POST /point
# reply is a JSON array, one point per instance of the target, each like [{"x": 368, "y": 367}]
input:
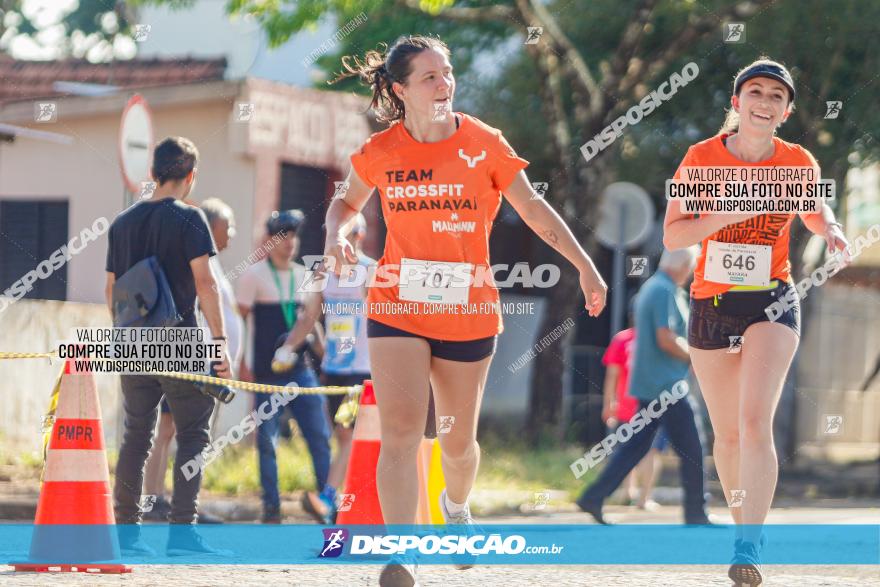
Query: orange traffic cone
[
  {"x": 74, "y": 529},
  {"x": 360, "y": 502}
]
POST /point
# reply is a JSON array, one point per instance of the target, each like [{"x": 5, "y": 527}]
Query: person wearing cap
[
  {"x": 346, "y": 360},
  {"x": 270, "y": 295},
  {"x": 740, "y": 353}
]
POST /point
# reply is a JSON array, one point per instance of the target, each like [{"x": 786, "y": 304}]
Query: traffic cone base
[
  {"x": 87, "y": 568},
  {"x": 361, "y": 499}
]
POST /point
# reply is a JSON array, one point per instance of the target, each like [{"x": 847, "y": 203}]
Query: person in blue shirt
[
  {"x": 657, "y": 380},
  {"x": 346, "y": 359}
]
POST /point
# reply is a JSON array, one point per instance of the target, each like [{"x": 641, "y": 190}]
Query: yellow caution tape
[
  {"x": 5, "y": 355},
  {"x": 49, "y": 421},
  {"x": 348, "y": 410},
  {"x": 353, "y": 390},
  {"x": 263, "y": 387}
]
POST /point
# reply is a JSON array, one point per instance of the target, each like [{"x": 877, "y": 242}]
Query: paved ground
[
  {"x": 848, "y": 512},
  {"x": 523, "y": 576}
]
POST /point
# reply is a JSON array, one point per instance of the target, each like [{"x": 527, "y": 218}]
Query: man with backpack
[{"x": 160, "y": 247}]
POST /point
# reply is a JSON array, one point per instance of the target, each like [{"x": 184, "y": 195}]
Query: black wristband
[{"x": 219, "y": 338}]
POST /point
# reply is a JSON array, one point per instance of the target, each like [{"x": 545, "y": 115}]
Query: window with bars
[{"x": 30, "y": 231}]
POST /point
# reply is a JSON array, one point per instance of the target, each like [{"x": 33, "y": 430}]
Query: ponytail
[
  {"x": 731, "y": 123},
  {"x": 380, "y": 70}
]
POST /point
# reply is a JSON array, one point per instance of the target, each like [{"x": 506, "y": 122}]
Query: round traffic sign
[
  {"x": 136, "y": 143},
  {"x": 626, "y": 215}
]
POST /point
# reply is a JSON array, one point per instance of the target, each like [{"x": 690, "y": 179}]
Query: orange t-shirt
[
  {"x": 765, "y": 229},
  {"x": 439, "y": 201}
]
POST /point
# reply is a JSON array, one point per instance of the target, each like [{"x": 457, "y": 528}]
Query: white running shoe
[
  {"x": 463, "y": 518},
  {"x": 400, "y": 572}
]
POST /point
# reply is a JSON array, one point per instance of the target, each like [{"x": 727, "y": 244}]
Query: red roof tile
[{"x": 21, "y": 80}]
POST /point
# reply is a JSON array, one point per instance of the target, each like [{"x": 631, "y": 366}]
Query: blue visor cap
[{"x": 770, "y": 70}]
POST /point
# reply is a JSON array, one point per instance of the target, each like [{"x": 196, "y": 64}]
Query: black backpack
[{"x": 142, "y": 297}]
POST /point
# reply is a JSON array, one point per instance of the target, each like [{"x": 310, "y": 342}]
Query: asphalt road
[{"x": 510, "y": 576}]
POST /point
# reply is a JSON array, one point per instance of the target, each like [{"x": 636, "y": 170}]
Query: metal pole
[{"x": 618, "y": 278}]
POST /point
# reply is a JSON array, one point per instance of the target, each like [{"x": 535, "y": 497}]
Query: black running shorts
[
  {"x": 713, "y": 321},
  {"x": 464, "y": 351}
]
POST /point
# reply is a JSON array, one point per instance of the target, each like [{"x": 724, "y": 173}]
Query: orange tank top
[{"x": 439, "y": 201}]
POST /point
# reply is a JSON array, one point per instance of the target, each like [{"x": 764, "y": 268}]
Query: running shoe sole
[
  {"x": 395, "y": 575},
  {"x": 745, "y": 576}
]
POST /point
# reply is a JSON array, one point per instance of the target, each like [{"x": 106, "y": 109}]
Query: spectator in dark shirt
[{"x": 179, "y": 237}]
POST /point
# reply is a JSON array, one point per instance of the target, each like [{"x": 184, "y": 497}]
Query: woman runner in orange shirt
[
  {"x": 439, "y": 175},
  {"x": 730, "y": 298}
]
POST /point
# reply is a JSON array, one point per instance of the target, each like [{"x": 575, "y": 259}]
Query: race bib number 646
[{"x": 737, "y": 264}]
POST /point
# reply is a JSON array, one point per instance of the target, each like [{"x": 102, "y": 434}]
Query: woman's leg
[
  {"x": 157, "y": 463},
  {"x": 339, "y": 466},
  {"x": 766, "y": 356},
  {"x": 400, "y": 367},
  {"x": 646, "y": 474},
  {"x": 719, "y": 375},
  {"x": 458, "y": 392},
  {"x": 631, "y": 486}
]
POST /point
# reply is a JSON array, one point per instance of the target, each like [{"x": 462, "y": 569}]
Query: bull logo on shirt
[{"x": 472, "y": 161}]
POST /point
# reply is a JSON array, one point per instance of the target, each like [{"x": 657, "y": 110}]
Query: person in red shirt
[
  {"x": 433, "y": 307},
  {"x": 618, "y": 407},
  {"x": 740, "y": 354}
]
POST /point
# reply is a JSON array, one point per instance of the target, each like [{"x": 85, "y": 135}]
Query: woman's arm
[
  {"x": 340, "y": 215},
  {"x": 682, "y": 230},
  {"x": 609, "y": 392},
  {"x": 546, "y": 223}
]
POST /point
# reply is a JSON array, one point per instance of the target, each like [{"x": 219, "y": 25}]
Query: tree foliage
[{"x": 597, "y": 58}]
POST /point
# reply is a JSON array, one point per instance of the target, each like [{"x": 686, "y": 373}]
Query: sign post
[
  {"x": 626, "y": 214},
  {"x": 136, "y": 140}
]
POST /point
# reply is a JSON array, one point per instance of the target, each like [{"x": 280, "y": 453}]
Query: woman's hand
[
  {"x": 595, "y": 290},
  {"x": 609, "y": 413},
  {"x": 337, "y": 252},
  {"x": 835, "y": 239}
]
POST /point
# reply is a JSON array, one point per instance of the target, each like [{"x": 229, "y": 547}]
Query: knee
[
  {"x": 137, "y": 440},
  {"x": 265, "y": 441},
  {"x": 401, "y": 440},
  {"x": 727, "y": 440},
  {"x": 756, "y": 429},
  {"x": 193, "y": 436},
  {"x": 459, "y": 450}
]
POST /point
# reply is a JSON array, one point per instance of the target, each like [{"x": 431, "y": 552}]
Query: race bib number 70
[
  {"x": 434, "y": 282},
  {"x": 737, "y": 264}
]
